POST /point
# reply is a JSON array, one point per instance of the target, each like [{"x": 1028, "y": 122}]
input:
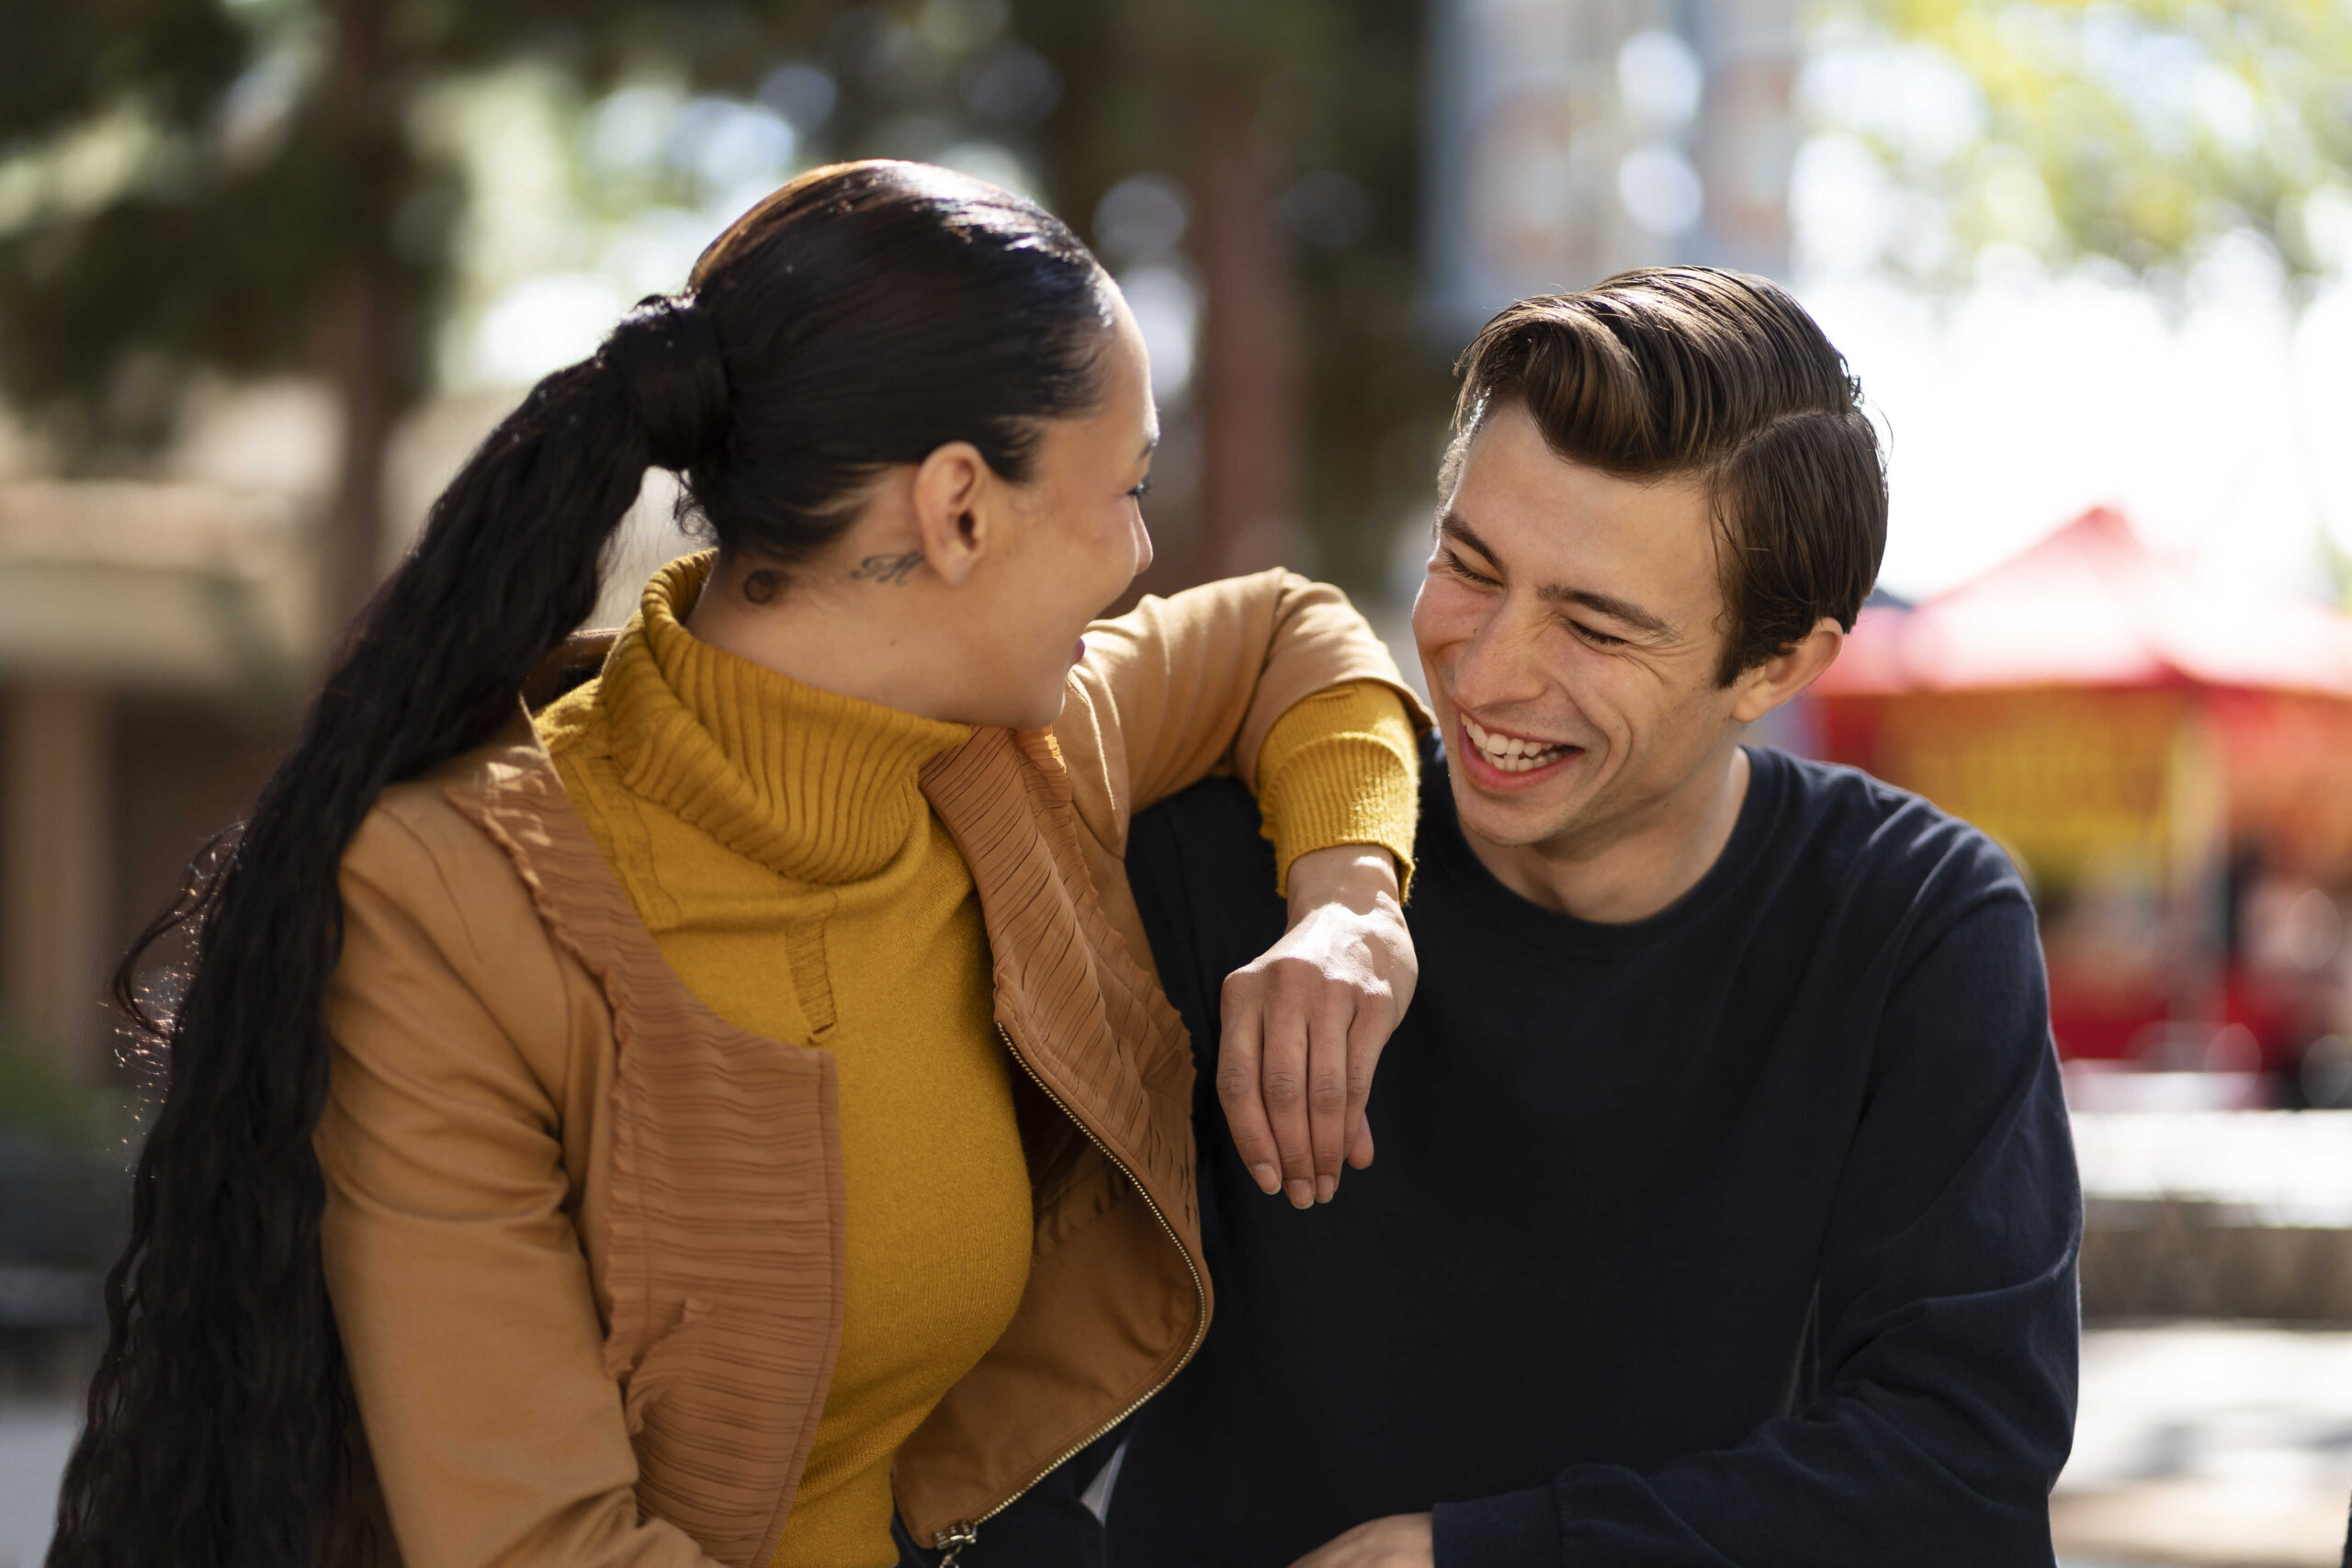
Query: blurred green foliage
[
  {"x": 185, "y": 182},
  {"x": 197, "y": 184},
  {"x": 2139, "y": 131}
]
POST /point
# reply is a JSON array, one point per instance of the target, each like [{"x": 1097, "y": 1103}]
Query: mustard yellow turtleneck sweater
[{"x": 775, "y": 841}]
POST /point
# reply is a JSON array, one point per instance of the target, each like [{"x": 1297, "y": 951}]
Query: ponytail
[{"x": 219, "y": 1421}]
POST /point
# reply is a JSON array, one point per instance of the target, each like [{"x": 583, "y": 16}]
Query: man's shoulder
[{"x": 1891, "y": 849}]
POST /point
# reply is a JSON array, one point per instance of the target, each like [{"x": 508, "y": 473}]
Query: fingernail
[
  {"x": 1324, "y": 1187},
  {"x": 1269, "y": 1179},
  {"x": 1301, "y": 1195}
]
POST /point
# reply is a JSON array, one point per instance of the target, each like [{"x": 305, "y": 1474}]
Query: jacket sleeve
[
  {"x": 1946, "y": 1331},
  {"x": 460, "y": 1290},
  {"x": 1183, "y": 687}
]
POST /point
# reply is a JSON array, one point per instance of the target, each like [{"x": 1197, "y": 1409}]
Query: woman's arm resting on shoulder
[
  {"x": 1303, "y": 1024},
  {"x": 1278, "y": 680},
  {"x": 467, "y": 1320},
  {"x": 1193, "y": 684}
]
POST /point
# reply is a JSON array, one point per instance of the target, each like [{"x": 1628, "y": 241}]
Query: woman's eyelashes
[{"x": 1142, "y": 488}]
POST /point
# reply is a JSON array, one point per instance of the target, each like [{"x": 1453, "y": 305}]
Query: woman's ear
[{"x": 955, "y": 501}]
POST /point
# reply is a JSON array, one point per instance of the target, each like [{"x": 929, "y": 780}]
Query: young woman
[{"x": 630, "y": 1135}]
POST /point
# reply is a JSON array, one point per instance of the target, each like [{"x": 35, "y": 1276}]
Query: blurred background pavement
[{"x": 269, "y": 267}]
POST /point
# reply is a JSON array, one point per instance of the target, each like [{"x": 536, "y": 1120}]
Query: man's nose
[{"x": 1498, "y": 665}]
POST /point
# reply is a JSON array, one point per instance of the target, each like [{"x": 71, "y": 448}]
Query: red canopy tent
[
  {"x": 2092, "y": 607},
  {"x": 2144, "y": 740}
]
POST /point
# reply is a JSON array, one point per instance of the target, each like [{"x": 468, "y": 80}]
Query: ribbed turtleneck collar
[{"x": 818, "y": 786}]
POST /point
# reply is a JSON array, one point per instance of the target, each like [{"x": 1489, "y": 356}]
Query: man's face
[{"x": 1570, "y": 627}]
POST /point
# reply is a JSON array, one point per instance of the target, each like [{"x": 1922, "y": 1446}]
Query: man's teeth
[{"x": 1508, "y": 752}]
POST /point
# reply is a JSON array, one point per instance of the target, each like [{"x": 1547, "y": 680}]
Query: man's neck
[{"x": 1630, "y": 869}]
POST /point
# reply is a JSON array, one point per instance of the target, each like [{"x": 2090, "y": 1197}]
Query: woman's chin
[
  {"x": 1049, "y": 710},
  {"x": 1039, "y": 709}
]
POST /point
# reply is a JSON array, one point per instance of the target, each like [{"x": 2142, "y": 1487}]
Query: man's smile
[{"x": 1499, "y": 758}]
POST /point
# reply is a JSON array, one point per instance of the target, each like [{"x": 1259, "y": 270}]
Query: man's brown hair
[{"x": 1690, "y": 370}]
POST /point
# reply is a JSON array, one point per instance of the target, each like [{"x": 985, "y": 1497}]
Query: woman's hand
[
  {"x": 1305, "y": 1023},
  {"x": 1400, "y": 1540}
]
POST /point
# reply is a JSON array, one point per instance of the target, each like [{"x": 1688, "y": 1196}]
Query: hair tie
[{"x": 673, "y": 373}]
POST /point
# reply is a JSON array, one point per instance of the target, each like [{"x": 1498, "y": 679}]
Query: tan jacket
[{"x": 583, "y": 1236}]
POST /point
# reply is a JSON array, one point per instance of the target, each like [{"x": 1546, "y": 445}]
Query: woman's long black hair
[{"x": 861, "y": 317}]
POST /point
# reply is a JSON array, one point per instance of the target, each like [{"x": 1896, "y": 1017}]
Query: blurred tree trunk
[
  {"x": 1250, "y": 381},
  {"x": 356, "y": 326},
  {"x": 357, "y": 333}
]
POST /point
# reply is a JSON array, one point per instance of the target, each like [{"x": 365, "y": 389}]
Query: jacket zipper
[{"x": 955, "y": 1537}]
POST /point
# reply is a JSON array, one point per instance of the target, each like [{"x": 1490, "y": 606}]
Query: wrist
[{"x": 1359, "y": 877}]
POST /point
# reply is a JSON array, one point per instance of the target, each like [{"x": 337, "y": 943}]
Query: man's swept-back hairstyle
[
  {"x": 861, "y": 317},
  {"x": 1689, "y": 370}
]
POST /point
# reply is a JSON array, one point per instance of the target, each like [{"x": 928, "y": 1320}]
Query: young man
[{"x": 1725, "y": 1210}]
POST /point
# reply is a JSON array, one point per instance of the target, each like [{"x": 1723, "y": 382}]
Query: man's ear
[
  {"x": 954, "y": 497},
  {"x": 1761, "y": 688}
]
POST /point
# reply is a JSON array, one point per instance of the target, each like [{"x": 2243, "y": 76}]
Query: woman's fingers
[
  {"x": 1366, "y": 1036},
  {"x": 1238, "y": 1087},
  {"x": 1305, "y": 1023},
  {"x": 1286, "y": 1001},
  {"x": 1286, "y": 1092},
  {"x": 1300, "y": 1045},
  {"x": 1326, "y": 1090}
]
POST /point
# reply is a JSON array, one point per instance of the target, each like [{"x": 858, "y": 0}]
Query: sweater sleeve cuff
[
  {"x": 1340, "y": 768},
  {"x": 1517, "y": 1529}
]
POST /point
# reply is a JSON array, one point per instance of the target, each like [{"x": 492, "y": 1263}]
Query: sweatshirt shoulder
[{"x": 1891, "y": 845}]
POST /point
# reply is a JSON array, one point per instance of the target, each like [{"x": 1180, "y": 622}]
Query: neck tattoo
[{"x": 891, "y": 568}]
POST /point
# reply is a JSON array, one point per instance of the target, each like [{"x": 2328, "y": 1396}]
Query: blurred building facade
[
  {"x": 1568, "y": 143},
  {"x": 154, "y": 635},
  {"x": 158, "y": 637}
]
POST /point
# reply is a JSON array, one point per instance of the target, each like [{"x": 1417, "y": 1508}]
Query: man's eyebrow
[
  {"x": 1150, "y": 444},
  {"x": 1624, "y": 610},
  {"x": 1451, "y": 524}
]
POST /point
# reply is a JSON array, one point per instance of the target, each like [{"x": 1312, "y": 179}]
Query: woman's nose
[{"x": 1143, "y": 544}]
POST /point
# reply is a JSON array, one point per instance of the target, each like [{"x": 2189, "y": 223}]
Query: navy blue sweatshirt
[{"x": 1740, "y": 1234}]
